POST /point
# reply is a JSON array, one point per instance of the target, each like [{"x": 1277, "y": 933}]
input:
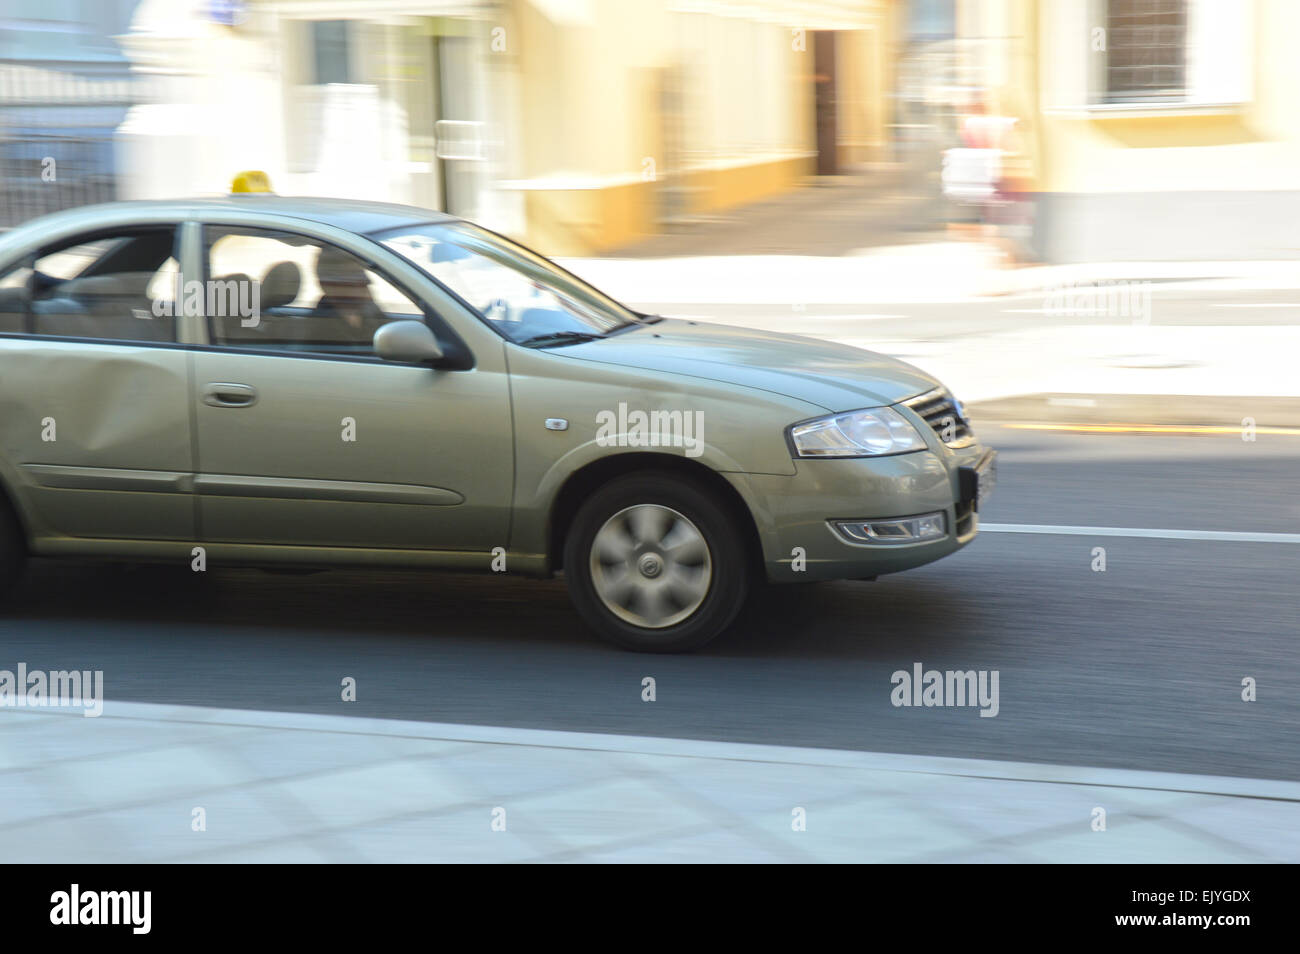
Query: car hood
[{"x": 834, "y": 376}]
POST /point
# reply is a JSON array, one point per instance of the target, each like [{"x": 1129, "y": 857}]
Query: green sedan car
[{"x": 266, "y": 381}]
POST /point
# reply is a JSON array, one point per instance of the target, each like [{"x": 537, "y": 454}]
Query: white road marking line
[
  {"x": 687, "y": 748},
  {"x": 1234, "y": 536},
  {"x": 1259, "y": 304}
]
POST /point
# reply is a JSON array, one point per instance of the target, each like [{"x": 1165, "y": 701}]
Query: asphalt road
[{"x": 1139, "y": 666}]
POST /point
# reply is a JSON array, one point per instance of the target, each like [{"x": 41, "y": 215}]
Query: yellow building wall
[
  {"x": 862, "y": 79},
  {"x": 1251, "y": 146},
  {"x": 595, "y": 150}
]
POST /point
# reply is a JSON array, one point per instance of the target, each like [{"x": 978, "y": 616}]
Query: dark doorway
[{"x": 824, "y": 102}]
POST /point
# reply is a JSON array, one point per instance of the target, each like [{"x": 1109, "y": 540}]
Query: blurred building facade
[
  {"x": 581, "y": 125},
  {"x": 65, "y": 86},
  {"x": 1143, "y": 129},
  {"x": 1152, "y": 129},
  {"x": 638, "y": 116}
]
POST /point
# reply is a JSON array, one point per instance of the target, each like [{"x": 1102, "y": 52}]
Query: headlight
[{"x": 871, "y": 433}]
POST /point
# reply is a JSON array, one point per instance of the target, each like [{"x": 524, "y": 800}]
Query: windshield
[{"x": 524, "y": 296}]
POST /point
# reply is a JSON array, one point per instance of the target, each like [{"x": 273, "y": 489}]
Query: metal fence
[{"x": 56, "y": 140}]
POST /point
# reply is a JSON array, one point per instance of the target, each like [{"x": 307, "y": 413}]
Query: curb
[{"x": 1031, "y": 772}]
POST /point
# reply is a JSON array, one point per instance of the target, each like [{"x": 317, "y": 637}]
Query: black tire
[
  {"x": 729, "y": 570},
  {"x": 13, "y": 547}
]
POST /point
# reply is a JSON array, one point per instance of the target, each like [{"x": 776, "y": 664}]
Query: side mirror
[{"x": 407, "y": 341}]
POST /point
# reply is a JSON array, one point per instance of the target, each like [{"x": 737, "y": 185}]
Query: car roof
[{"x": 352, "y": 215}]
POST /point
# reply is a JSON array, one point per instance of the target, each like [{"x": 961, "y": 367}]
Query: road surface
[{"x": 1139, "y": 666}]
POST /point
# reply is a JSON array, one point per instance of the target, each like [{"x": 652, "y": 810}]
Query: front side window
[
  {"x": 278, "y": 291},
  {"x": 14, "y": 285},
  {"x": 114, "y": 288},
  {"x": 521, "y": 294}
]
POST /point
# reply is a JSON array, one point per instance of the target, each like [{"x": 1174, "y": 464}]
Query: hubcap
[{"x": 651, "y": 566}]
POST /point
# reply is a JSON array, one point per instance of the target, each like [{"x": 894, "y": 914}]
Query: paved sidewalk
[
  {"x": 861, "y": 237},
  {"x": 310, "y": 788},
  {"x": 869, "y": 301},
  {"x": 944, "y": 271},
  {"x": 1042, "y": 354}
]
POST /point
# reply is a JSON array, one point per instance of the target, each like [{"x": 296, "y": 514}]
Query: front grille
[{"x": 943, "y": 414}]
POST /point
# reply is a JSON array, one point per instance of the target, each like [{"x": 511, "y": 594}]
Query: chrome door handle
[{"x": 221, "y": 394}]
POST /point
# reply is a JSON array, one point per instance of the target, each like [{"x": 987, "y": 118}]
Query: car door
[
  {"x": 307, "y": 439},
  {"x": 94, "y": 389}
]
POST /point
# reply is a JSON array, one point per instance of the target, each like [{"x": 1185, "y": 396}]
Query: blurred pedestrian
[
  {"x": 991, "y": 170},
  {"x": 1012, "y": 212}
]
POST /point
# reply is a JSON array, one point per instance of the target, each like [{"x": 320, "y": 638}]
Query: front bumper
[{"x": 795, "y": 515}]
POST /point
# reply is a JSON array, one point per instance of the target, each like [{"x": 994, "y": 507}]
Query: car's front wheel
[{"x": 656, "y": 563}]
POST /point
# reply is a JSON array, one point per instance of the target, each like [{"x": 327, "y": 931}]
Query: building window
[
  {"x": 330, "y": 51},
  {"x": 1146, "y": 51}
]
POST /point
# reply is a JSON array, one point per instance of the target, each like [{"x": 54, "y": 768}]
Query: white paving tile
[
  {"x": 283, "y": 787},
  {"x": 462, "y": 836},
  {"x": 349, "y": 797},
  {"x": 601, "y": 814}
]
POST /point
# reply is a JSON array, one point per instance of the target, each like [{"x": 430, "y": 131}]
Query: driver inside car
[{"x": 346, "y": 294}]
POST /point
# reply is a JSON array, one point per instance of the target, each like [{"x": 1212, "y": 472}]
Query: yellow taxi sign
[{"x": 252, "y": 180}]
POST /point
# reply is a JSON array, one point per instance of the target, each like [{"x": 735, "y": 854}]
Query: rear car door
[
  {"x": 307, "y": 439},
  {"x": 94, "y": 418}
]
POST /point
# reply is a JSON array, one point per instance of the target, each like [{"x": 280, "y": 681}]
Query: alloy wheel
[{"x": 651, "y": 566}]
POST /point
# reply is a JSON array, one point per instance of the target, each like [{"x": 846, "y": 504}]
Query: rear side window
[{"x": 117, "y": 287}]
